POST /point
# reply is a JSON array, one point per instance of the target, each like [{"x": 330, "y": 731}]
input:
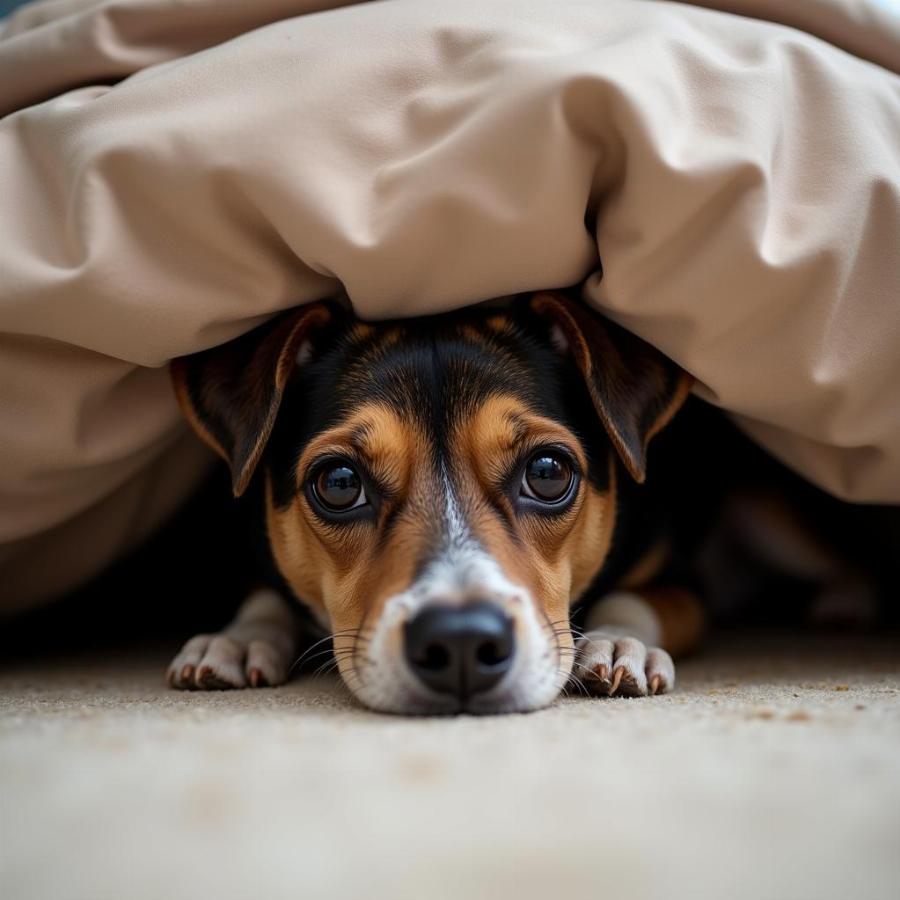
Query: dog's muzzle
[{"x": 460, "y": 650}]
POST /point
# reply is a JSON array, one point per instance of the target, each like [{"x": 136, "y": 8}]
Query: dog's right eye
[
  {"x": 549, "y": 482},
  {"x": 338, "y": 488}
]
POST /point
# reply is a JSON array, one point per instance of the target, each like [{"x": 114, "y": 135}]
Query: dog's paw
[
  {"x": 215, "y": 662},
  {"x": 610, "y": 663}
]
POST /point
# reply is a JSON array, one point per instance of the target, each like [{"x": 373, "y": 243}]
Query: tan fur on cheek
[
  {"x": 300, "y": 558},
  {"x": 360, "y": 599},
  {"x": 325, "y": 568},
  {"x": 333, "y": 575},
  {"x": 592, "y": 535}
]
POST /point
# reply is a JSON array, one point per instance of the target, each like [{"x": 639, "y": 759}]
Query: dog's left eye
[
  {"x": 338, "y": 487},
  {"x": 548, "y": 477}
]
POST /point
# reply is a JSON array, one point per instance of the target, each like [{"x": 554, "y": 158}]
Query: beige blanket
[{"x": 739, "y": 179}]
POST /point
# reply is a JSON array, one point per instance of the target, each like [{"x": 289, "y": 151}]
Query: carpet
[{"x": 773, "y": 771}]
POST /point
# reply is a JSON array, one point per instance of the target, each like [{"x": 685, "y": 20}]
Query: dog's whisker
[
  {"x": 574, "y": 630},
  {"x": 336, "y": 659},
  {"x": 346, "y": 633},
  {"x": 576, "y": 682},
  {"x": 306, "y": 658},
  {"x": 309, "y": 650},
  {"x": 324, "y": 669},
  {"x": 357, "y": 681},
  {"x": 328, "y": 651},
  {"x": 572, "y": 613}
]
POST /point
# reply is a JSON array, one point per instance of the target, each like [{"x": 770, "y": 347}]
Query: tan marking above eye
[
  {"x": 497, "y": 435},
  {"x": 384, "y": 442},
  {"x": 362, "y": 331},
  {"x": 498, "y": 323}
]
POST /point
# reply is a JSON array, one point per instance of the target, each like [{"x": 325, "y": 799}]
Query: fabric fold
[{"x": 185, "y": 170}]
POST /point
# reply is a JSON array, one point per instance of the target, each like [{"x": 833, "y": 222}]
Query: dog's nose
[{"x": 462, "y": 650}]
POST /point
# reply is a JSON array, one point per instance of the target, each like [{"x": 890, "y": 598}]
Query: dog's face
[{"x": 438, "y": 490}]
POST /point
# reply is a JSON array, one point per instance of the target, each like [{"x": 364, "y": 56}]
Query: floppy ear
[
  {"x": 635, "y": 389},
  {"x": 231, "y": 394}
]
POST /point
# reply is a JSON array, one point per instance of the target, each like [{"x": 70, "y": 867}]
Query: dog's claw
[
  {"x": 255, "y": 650},
  {"x": 636, "y": 670},
  {"x": 660, "y": 671},
  {"x": 220, "y": 663},
  {"x": 206, "y": 679},
  {"x": 617, "y": 680},
  {"x": 596, "y": 679}
]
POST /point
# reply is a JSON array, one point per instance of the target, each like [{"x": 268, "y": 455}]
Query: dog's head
[{"x": 438, "y": 490}]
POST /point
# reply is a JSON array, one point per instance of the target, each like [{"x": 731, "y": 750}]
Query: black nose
[{"x": 462, "y": 650}]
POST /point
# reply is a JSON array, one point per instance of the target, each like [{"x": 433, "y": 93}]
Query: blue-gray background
[{"x": 9, "y": 5}]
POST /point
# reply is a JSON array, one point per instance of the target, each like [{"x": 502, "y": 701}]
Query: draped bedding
[{"x": 725, "y": 181}]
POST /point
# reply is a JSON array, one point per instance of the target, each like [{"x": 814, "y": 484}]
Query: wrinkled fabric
[{"x": 172, "y": 173}]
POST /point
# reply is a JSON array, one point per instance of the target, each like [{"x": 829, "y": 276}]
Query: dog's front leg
[
  {"x": 255, "y": 650},
  {"x": 621, "y": 651}
]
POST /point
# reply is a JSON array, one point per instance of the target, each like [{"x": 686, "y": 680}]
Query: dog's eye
[
  {"x": 338, "y": 487},
  {"x": 547, "y": 477}
]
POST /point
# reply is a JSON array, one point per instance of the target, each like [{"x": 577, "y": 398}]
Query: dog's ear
[
  {"x": 230, "y": 394},
  {"x": 634, "y": 388}
]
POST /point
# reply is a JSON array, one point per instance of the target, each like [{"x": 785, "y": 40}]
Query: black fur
[{"x": 435, "y": 374}]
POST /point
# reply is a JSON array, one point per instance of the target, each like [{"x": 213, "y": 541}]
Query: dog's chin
[
  {"x": 398, "y": 693},
  {"x": 438, "y": 705}
]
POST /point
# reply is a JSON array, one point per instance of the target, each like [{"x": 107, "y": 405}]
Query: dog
[{"x": 439, "y": 494}]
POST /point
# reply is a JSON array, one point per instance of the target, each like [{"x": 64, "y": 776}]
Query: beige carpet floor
[{"x": 772, "y": 773}]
